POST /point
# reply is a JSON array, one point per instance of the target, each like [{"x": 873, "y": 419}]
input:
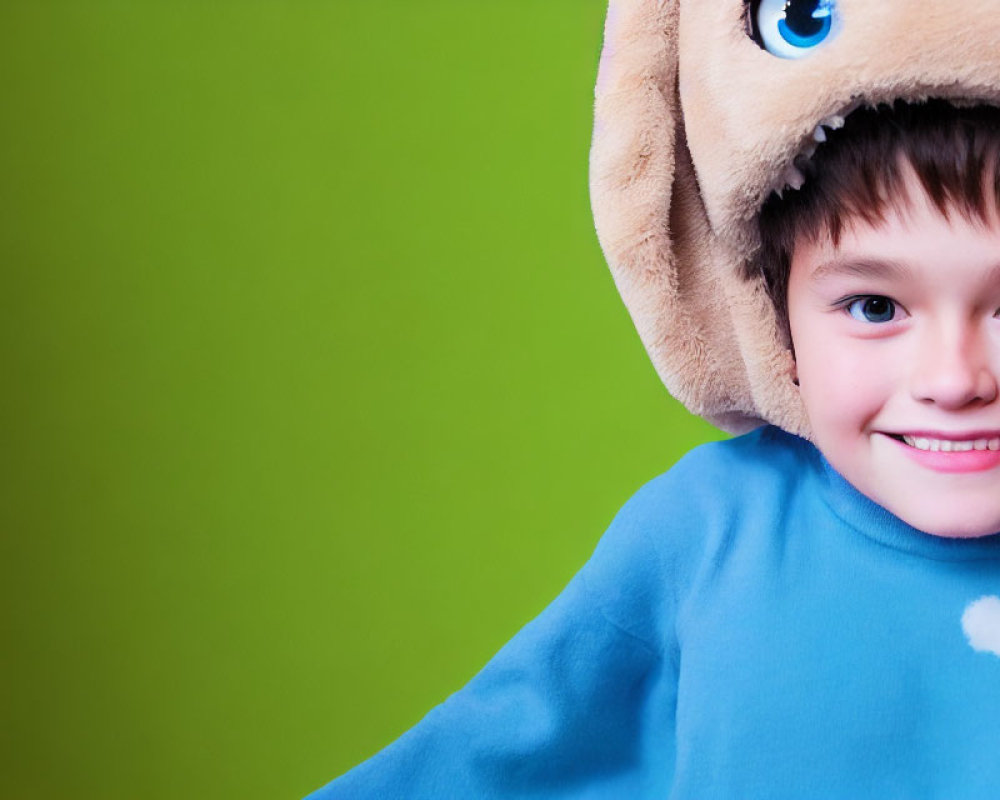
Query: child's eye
[
  {"x": 792, "y": 28},
  {"x": 872, "y": 308}
]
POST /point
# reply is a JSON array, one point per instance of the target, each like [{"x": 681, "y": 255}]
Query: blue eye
[
  {"x": 872, "y": 308},
  {"x": 793, "y": 28}
]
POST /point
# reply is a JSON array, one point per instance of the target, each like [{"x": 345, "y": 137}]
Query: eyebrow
[
  {"x": 860, "y": 268},
  {"x": 881, "y": 268}
]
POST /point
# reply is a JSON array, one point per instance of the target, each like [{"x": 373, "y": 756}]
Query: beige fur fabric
[{"x": 696, "y": 124}]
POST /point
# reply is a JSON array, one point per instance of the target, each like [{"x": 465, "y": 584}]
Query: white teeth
[
  {"x": 793, "y": 176},
  {"x": 951, "y": 445}
]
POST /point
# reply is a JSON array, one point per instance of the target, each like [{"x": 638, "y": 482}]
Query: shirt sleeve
[{"x": 580, "y": 703}]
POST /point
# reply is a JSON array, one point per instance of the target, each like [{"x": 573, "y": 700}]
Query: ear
[{"x": 701, "y": 323}]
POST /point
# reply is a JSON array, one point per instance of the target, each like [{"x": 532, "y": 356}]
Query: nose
[{"x": 955, "y": 367}]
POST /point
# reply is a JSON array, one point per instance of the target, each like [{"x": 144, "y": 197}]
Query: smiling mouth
[{"x": 938, "y": 445}]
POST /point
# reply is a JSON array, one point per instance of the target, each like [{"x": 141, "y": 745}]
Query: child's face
[{"x": 897, "y": 342}]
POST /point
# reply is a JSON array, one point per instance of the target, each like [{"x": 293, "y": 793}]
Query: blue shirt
[{"x": 750, "y": 626}]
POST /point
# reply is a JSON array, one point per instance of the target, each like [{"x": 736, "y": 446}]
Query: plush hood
[{"x": 696, "y": 123}]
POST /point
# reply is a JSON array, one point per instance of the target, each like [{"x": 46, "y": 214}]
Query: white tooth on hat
[
  {"x": 819, "y": 134},
  {"x": 792, "y": 177}
]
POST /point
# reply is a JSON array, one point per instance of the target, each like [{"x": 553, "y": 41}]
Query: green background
[{"x": 315, "y": 384}]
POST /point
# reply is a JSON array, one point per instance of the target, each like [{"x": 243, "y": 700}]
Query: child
[{"x": 778, "y": 616}]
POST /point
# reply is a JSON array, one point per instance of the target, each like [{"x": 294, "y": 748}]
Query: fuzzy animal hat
[{"x": 702, "y": 107}]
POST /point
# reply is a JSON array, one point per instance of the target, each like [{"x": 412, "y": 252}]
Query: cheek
[{"x": 844, "y": 383}]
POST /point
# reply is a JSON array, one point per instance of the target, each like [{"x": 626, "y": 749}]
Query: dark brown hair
[{"x": 859, "y": 174}]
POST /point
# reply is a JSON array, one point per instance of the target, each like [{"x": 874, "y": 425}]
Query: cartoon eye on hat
[{"x": 793, "y": 28}]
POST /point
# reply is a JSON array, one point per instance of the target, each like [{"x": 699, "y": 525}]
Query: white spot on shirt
[{"x": 981, "y": 623}]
